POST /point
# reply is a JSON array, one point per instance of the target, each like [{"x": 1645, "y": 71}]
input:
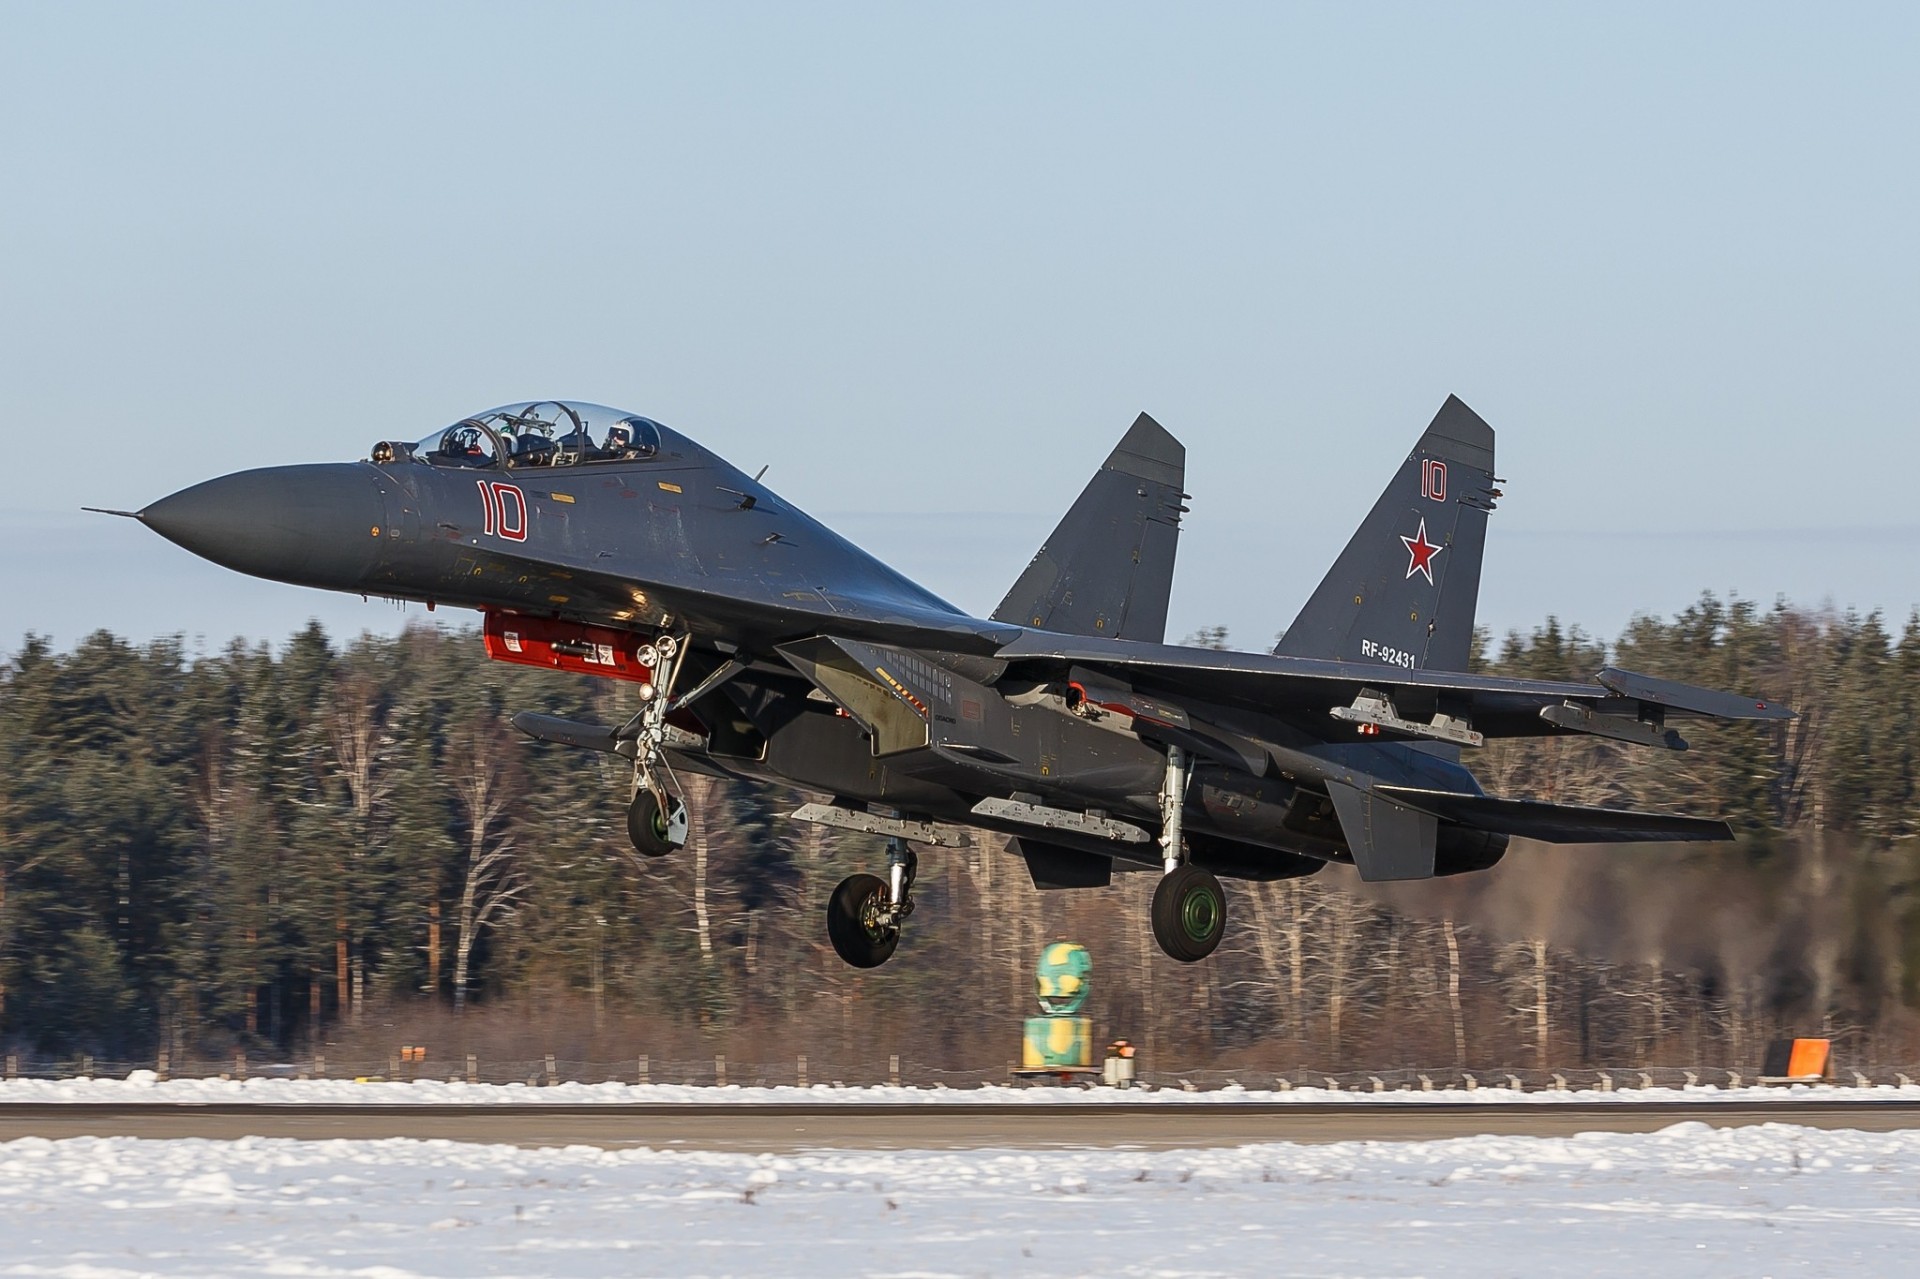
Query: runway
[{"x": 784, "y": 1128}]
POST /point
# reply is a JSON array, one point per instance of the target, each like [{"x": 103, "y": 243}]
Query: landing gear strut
[
  {"x": 865, "y": 913},
  {"x": 1189, "y": 906},
  {"x": 656, "y": 819}
]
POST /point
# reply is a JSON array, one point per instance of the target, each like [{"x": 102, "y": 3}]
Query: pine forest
[{"x": 327, "y": 848}]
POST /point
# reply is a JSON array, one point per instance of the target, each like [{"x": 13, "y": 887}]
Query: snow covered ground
[
  {"x": 1689, "y": 1200},
  {"x": 145, "y": 1086}
]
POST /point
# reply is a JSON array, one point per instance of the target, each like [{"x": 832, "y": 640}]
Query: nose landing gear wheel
[
  {"x": 1189, "y": 913},
  {"x": 857, "y": 922},
  {"x": 655, "y": 830}
]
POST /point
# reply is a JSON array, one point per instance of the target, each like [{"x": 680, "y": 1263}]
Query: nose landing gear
[
  {"x": 865, "y": 913},
  {"x": 656, "y": 828},
  {"x": 656, "y": 820}
]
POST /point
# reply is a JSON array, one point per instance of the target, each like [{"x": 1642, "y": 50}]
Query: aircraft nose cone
[{"x": 315, "y": 525}]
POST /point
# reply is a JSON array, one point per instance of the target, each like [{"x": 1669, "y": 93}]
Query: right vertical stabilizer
[{"x": 1403, "y": 591}]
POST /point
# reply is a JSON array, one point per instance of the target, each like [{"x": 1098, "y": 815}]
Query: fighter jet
[{"x": 763, "y": 646}]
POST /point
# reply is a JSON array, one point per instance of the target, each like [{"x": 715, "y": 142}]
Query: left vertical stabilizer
[{"x": 1107, "y": 569}]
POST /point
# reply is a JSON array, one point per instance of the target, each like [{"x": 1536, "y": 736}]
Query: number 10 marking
[{"x": 503, "y": 510}]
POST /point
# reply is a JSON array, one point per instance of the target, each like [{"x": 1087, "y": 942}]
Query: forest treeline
[{"x": 345, "y": 846}]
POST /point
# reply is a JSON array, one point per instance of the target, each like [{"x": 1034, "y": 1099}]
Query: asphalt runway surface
[{"x": 785, "y": 1129}]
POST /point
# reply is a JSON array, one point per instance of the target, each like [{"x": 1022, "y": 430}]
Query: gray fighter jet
[{"x": 763, "y": 646}]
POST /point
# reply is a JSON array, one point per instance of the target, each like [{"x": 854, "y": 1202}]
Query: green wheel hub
[
  {"x": 1189, "y": 913},
  {"x": 1199, "y": 913}
]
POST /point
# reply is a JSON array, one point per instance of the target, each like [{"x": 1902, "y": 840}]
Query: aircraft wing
[{"x": 1338, "y": 701}]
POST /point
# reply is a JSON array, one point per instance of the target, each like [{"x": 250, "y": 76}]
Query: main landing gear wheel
[
  {"x": 656, "y": 829},
  {"x": 860, "y": 921},
  {"x": 1189, "y": 912}
]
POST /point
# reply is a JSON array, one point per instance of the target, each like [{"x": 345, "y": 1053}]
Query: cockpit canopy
[{"x": 535, "y": 433}]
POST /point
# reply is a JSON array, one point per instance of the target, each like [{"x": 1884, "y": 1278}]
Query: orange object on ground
[
  {"x": 1809, "y": 1059},
  {"x": 1797, "y": 1060}
]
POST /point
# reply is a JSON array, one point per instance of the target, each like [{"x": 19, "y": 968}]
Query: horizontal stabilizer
[
  {"x": 1389, "y": 840},
  {"x": 1556, "y": 823}
]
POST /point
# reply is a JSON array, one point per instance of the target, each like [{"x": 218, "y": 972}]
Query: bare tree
[{"x": 491, "y": 880}]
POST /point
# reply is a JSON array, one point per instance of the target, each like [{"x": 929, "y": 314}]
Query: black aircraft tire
[
  {"x": 647, "y": 825},
  {"x": 1189, "y": 913},
  {"x": 855, "y": 942}
]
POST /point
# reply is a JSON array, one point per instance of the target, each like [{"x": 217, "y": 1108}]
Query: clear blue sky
[{"x": 928, "y": 263}]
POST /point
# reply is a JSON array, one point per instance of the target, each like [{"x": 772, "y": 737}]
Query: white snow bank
[
  {"x": 144, "y": 1086},
  {"x": 1689, "y": 1200}
]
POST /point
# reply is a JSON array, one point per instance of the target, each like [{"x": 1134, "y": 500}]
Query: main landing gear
[
  {"x": 656, "y": 820},
  {"x": 1189, "y": 912},
  {"x": 865, "y": 913},
  {"x": 1189, "y": 906}
]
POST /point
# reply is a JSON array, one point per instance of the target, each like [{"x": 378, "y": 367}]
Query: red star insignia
[{"x": 1420, "y": 553}]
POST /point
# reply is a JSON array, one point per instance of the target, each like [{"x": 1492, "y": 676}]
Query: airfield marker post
[
  {"x": 646, "y": 1076},
  {"x": 803, "y": 1070},
  {"x": 13, "y": 1066},
  {"x": 473, "y": 1069},
  {"x": 720, "y": 1070},
  {"x": 160, "y": 1067},
  {"x": 319, "y": 1065},
  {"x": 553, "y": 1074},
  {"x": 893, "y": 1070}
]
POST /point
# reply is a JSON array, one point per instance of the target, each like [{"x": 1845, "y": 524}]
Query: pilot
[{"x": 619, "y": 439}]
